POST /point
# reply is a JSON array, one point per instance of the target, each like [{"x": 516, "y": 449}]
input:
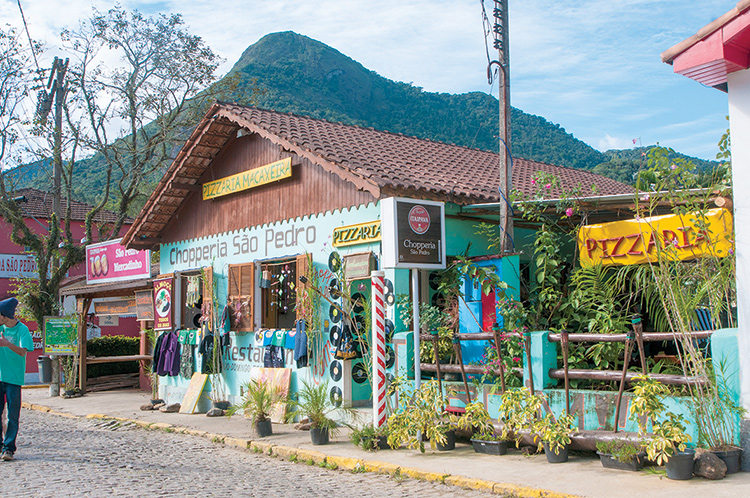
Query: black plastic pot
[
  {"x": 319, "y": 435},
  {"x": 731, "y": 457},
  {"x": 680, "y": 465},
  {"x": 633, "y": 464},
  {"x": 381, "y": 442},
  {"x": 263, "y": 428},
  {"x": 490, "y": 447},
  {"x": 450, "y": 442},
  {"x": 560, "y": 457}
]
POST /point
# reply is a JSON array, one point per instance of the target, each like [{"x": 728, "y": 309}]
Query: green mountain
[
  {"x": 289, "y": 72},
  {"x": 300, "y": 75}
]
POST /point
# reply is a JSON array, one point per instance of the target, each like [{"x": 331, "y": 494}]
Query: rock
[
  {"x": 709, "y": 466},
  {"x": 158, "y": 406},
  {"x": 529, "y": 450},
  {"x": 215, "y": 412},
  {"x": 171, "y": 408},
  {"x": 303, "y": 425},
  {"x": 147, "y": 407}
]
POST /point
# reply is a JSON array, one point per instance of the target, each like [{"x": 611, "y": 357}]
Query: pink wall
[{"x": 128, "y": 326}]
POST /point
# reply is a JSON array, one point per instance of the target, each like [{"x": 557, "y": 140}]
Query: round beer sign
[{"x": 419, "y": 220}]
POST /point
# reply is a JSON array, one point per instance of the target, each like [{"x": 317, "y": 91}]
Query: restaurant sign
[
  {"x": 361, "y": 233},
  {"x": 413, "y": 233},
  {"x": 111, "y": 262},
  {"x": 674, "y": 237},
  {"x": 248, "y": 179},
  {"x": 163, "y": 304}
]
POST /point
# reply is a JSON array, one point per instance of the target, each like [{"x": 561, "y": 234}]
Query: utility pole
[
  {"x": 55, "y": 90},
  {"x": 502, "y": 44}
]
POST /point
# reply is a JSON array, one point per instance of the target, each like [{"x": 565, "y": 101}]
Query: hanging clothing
[
  {"x": 300, "y": 344},
  {"x": 193, "y": 292},
  {"x": 206, "y": 351},
  {"x": 169, "y": 364},
  {"x": 186, "y": 361},
  {"x": 273, "y": 357}
]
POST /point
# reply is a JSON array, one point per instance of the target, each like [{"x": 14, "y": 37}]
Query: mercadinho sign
[
  {"x": 674, "y": 237},
  {"x": 248, "y": 179},
  {"x": 361, "y": 233}
]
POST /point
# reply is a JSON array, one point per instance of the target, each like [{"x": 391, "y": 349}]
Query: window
[
  {"x": 279, "y": 294},
  {"x": 240, "y": 296}
]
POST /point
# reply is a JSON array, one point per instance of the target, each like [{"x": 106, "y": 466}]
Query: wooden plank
[
  {"x": 193, "y": 393},
  {"x": 91, "y": 360}
]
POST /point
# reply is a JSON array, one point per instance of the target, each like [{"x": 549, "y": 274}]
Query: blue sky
[{"x": 592, "y": 67}]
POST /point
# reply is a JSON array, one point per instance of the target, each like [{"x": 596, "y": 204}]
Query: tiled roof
[
  {"x": 382, "y": 163},
  {"x": 39, "y": 204},
  {"x": 403, "y": 162}
]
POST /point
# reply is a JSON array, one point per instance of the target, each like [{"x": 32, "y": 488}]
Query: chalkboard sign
[
  {"x": 60, "y": 335},
  {"x": 144, "y": 305}
]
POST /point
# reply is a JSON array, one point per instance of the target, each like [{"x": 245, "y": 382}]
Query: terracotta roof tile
[{"x": 40, "y": 205}]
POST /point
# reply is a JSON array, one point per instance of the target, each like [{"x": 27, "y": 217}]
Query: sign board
[
  {"x": 60, "y": 335},
  {"x": 361, "y": 233},
  {"x": 111, "y": 262},
  {"x": 248, "y": 179},
  {"x": 358, "y": 266},
  {"x": 18, "y": 266},
  {"x": 144, "y": 305},
  {"x": 108, "y": 321},
  {"x": 413, "y": 233},
  {"x": 163, "y": 304},
  {"x": 115, "y": 307},
  {"x": 637, "y": 241},
  {"x": 193, "y": 393}
]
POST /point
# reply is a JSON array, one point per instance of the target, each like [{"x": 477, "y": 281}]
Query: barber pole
[{"x": 378, "y": 349}]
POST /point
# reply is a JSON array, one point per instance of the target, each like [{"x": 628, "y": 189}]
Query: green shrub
[{"x": 113, "y": 345}]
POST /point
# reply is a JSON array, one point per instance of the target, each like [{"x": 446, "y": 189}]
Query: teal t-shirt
[{"x": 12, "y": 365}]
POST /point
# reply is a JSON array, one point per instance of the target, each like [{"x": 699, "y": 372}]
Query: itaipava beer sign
[{"x": 413, "y": 233}]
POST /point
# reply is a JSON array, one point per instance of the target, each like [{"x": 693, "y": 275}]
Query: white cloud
[{"x": 609, "y": 142}]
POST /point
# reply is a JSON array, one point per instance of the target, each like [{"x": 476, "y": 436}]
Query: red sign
[
  {"x": 111, "y": 262},
  {"x": 419, "y": 219},
  {"x": 163, "y": 304}
]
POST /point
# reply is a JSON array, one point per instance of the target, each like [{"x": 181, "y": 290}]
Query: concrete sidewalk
[{"x": 513, "y": 474}]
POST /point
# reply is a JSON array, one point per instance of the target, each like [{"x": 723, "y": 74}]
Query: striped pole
[{"x": 378, "y": 348}]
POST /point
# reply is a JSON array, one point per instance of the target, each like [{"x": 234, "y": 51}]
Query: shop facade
[{"x": 256, "y": 199}]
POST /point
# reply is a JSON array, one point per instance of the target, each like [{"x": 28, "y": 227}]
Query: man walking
[{"x": 15, "y": 342}]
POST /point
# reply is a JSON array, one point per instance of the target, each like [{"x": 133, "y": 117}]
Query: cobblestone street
[{"x": 80, "y": 457}]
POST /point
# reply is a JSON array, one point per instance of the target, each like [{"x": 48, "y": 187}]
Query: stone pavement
[
  {"x": 512, "y": 474},
  {"x": 80, "y": 457}
]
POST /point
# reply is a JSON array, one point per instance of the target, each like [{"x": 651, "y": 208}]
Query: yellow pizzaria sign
[
  {"x": 356, "y": 234},
  {"x": 673, "y": 237},
  {"x": 248, "y": 179}
]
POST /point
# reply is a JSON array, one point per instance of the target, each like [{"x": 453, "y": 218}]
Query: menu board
[
  {"x": 144, "y": 305},
  {"x": 60, "y": 335},
  {"x": 163, "y": 303}
]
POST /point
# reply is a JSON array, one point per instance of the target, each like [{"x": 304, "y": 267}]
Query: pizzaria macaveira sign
[{"x": 248, "y": 179}]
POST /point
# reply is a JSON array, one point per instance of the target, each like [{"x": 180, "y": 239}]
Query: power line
[{"x": 28, "y": 35}]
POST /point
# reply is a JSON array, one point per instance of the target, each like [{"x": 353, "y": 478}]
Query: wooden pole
[
  {"x": 625, "y": 363},
  {"x": 638, "y": 329},
  {"x": 82, "y": 352},
  {"x": 437, "y": 365},
  {"x": 459, "y": 356},
  {"x": 496, "y": 332}
]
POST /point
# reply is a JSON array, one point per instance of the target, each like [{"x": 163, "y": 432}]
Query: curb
[{"x": 337, "y": 462}]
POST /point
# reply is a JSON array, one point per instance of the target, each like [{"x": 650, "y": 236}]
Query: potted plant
[
  {"x": 621, "y": 454},
  {"x": 554, "y": 436},
  {"x": 484, "y": 440},
  {"x": 370, "y": 438},
  {"x": 422, "y": 417},
  {"x": 518, "y": 412},
  {"x": 667, "y": 443},
  {"x": 259, "y": 400},
  {"x": 314, "y": 402}
]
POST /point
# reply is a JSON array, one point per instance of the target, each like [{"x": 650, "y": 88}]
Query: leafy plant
[
  {"x": 554, "y": 431},
  {"x": 422, "y": 414},
  {"x": 477, "y": 419},
  {"x": 623, "y": 450},
  {"x": 366, "y": 437},
  {"x": 314, "y": 402},
  {"x": 668, "y": 428},
  {"x": 518, "y": 412},
  {"x": 260, "y": 398}
]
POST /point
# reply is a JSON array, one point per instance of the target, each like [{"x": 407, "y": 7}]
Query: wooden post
[
  {"x": 459, "y": 356},
  {"x": 638, "y": 329},
  {"x": 496, "y": 332},
  {"x": 435, "y": 339},
  {"x": 625, "y": 363},
  {"x": 82, "y": 352}
]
